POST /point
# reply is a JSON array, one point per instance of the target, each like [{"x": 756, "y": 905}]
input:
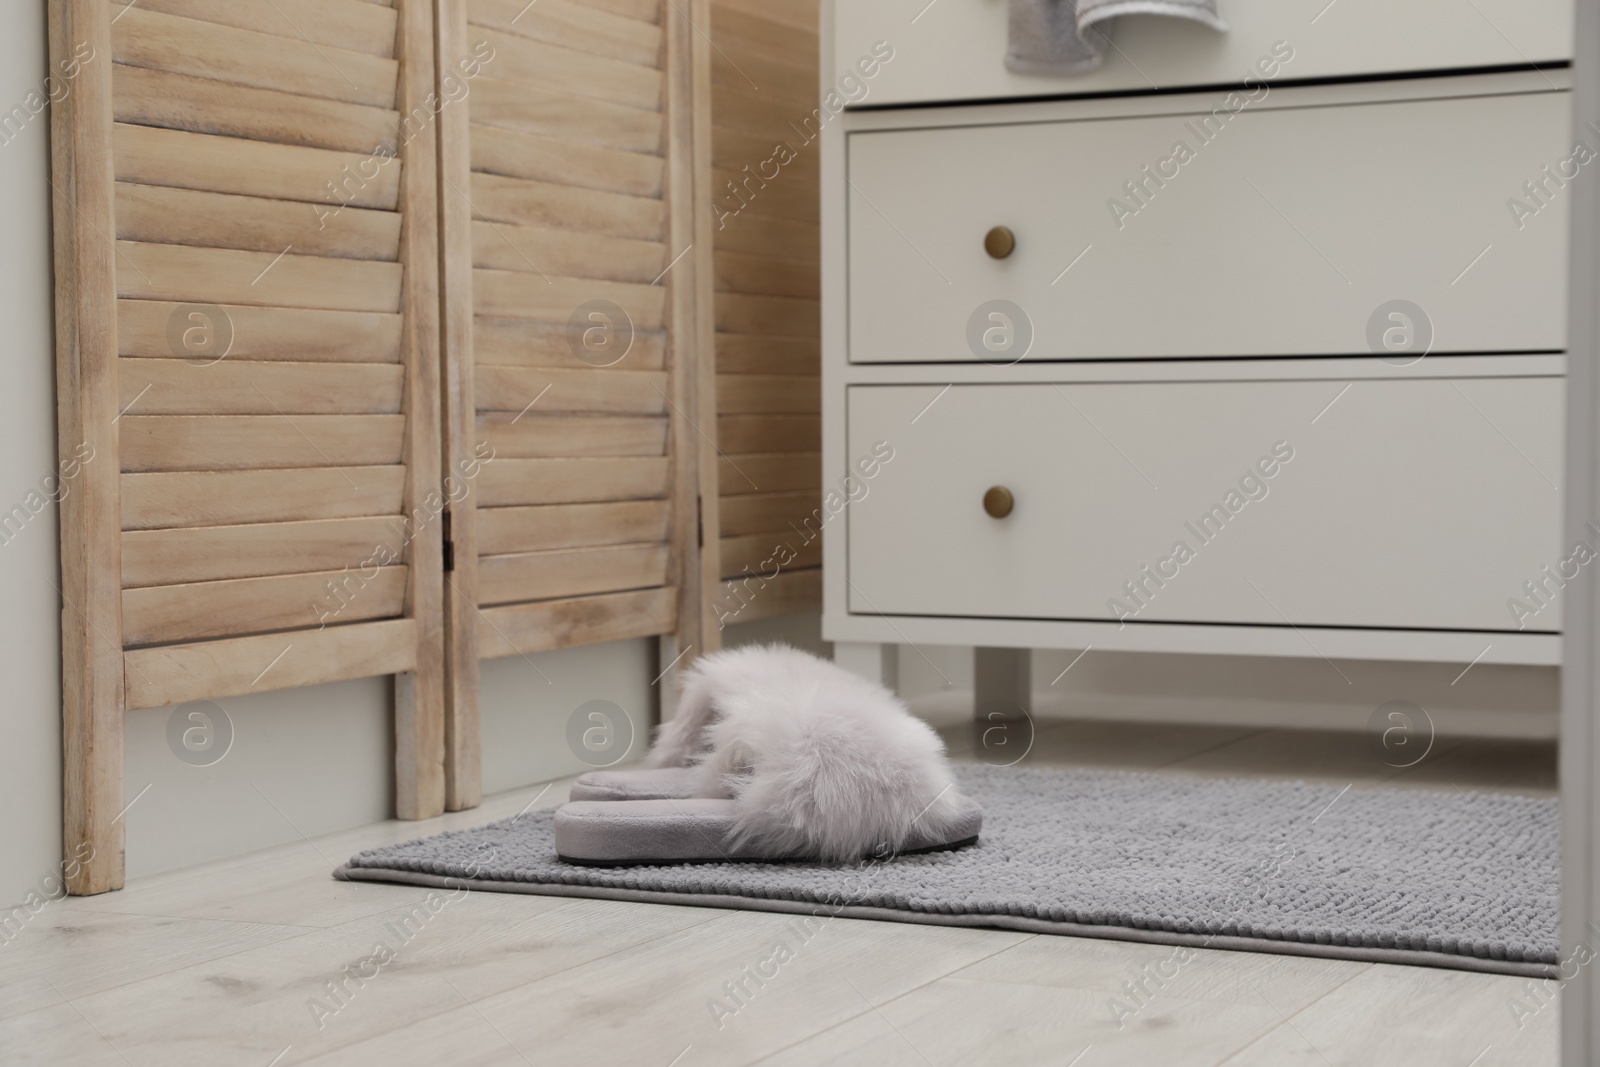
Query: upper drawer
[
  {"x": 1280, "y": 231},
  {"x": 955, "y": 49}
]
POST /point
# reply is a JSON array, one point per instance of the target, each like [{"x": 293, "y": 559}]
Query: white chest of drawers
[{"x": 1124, "y": 308}]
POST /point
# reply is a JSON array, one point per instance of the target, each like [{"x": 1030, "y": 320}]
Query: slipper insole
[
  {"x": 636, "y": 783},
  {"x": 621, "y": 833}
]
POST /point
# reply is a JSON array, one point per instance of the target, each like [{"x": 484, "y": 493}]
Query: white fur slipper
[{"x": 774, "y": 754}]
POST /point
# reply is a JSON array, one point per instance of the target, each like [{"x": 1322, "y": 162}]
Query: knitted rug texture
[{"x": 1445, "y": 878}]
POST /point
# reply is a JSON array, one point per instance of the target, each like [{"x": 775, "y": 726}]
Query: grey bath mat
[{"x": 1448, "y": 878}]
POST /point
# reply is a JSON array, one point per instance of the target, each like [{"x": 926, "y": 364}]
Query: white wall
[
  {"x": 302, "y": 761},
  {"x": 526, "y": 712},
  {"x": 801, "y": 631},
  {"x": 314, "y": 760},
  {"x": 30, "y": 709}
]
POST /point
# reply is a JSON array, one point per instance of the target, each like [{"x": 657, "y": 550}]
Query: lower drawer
[{"x": 1414, "y": 503}]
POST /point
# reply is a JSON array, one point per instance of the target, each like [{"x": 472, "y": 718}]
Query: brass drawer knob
[
  {"x": 998, "y": 502},
  {"x": 1000, "y": 242}
]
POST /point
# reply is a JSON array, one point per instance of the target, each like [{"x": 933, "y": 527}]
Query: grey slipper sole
[
  {"x": 637, "y": 783},
  {"x": 653, "y": 833}
]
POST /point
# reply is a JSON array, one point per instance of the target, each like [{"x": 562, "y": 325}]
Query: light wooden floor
[{"x": 221, "y": 965}]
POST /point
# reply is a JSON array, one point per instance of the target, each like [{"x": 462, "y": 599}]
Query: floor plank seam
[
  {"x": 220, "y": 919},
  {"x": 871, "y": 1007},
  {"x": 1287, "y": 1020}
]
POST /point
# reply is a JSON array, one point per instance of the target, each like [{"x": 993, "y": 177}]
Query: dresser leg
[
  {"x": 1002, "y": 683},
  {"x": 879, "y": 662}
]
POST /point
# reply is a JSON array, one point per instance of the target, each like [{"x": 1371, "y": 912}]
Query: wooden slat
[
  {"x": 785, "y": 316},
  {"x": 176, "y": 674},
  {"x": 738, "y": 312},
  {"x": 739, "y": 353},
  {"x": 184, "y": 160},
  {"x": 564, "y": 207},
  {"x": 611, "y": 390},
  {"x": 750, "y": 231},
  {"x": 523, "y": 629},
  {"x": 352, "y": 24},
  {"x": 545, "y": 66},
  {"x": 771, "y": 473},
  {"x": 796, "y": 14},
  {"x": 768, "y": 512},
  {"x": 740, "y": 272},
  {"x": 565, "y": 116},
  {"x": 217, "y": 498},
  {"x": 786, "y": 195},
  {"x": 526, "y": 343},
  {"x": 535, "y": 249},
  {"x": 540, "y": 436},
  {"x": 183, "y": 102},
  {"x": 738, "y": 434},
  {"x": 183, "y": 387},
  {"x": 517, "y": 294},
  {"x": 144, "y": 38},
  {"x": 92, "y": 676},
  {"x": 165, "y": 614},
  {"x": 575, "y": 572},
  {"x": 515, "y": 154},
  {"x": 226, "y": 276},
  {"x": 794, "y": 83},
  {"x": 521, "y": 482},
  {"x": 733, "y": 149},
  {"x": 154, "y": 328},
  {"x": 749, "y": 599},
  {"x": 159, "y": 215},
  {"x": 502, "y": 531},
  {"x": 259, "y": 442},
  {"x": 786, "y": 192},
  {"x": 643, "y": 10},
  {"x": 765, "y": 552},
  {"x": 759, "y": 113},
  {"x": 789, "y": 199},
  {"x": 572, "y": 25},
  {"x": 739, "y": 394},
  {"x": 214, "y": 553},
  {"x": 757, "y": 40}
]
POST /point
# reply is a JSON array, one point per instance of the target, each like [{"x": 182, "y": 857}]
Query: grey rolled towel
[{"x": 1072, "y": 36}]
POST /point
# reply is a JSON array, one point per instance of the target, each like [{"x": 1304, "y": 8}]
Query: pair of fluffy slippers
[{"x": 774, "y": 754}]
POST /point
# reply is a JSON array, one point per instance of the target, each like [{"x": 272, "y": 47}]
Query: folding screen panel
[
  {"x": 569, "y": 280},
  {"x": 246, "y": 242},
  {"x": 378, "y": 333},
  {"x": 760, "y": 182}
]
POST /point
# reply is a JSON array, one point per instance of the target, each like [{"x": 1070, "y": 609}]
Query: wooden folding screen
[
  {"x": 759, "y": 210},
  {"x": 378, "y": 333},
  {"x": 569, "y": 281},
  {"x": 246, "y": 264}
]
